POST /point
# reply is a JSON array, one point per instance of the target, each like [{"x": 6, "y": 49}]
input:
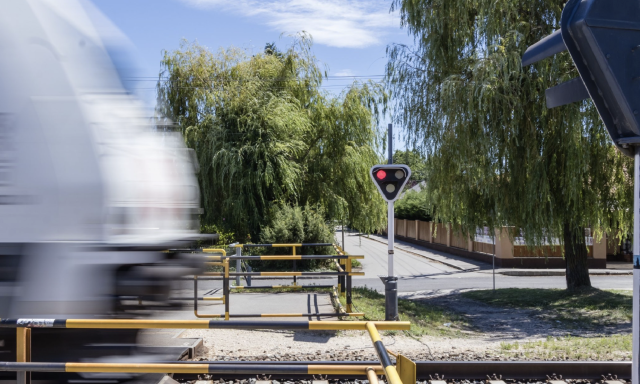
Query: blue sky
[{"x": 350, "y": 36}]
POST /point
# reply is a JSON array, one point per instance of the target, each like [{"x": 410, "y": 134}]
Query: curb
[{"x": 558, "y": 273}]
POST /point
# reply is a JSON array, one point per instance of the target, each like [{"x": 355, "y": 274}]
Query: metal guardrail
[
  {"x": 344, "y": 275},
  {"x": 24, "y": 366},
  {"x": 202, "y": 324},
  {"x": 285, "y": 257},
  {"x": 221, "y": 369}
]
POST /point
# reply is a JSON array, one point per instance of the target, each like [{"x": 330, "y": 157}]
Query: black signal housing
[
  {"x": 603, "y": 39},
  {"x": 390, "y": 179}
]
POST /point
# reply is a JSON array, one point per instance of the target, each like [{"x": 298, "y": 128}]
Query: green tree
[
  {"x": 265, "y": 133},
  {"x": 412, "y": 206},
  {"x": 416, "y": 161},
  {"x": 496, "y": 155}
]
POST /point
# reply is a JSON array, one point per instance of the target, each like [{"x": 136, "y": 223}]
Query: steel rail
[
  {"x": 535, "y": 370},
  {"x": 479, "y": 370}
]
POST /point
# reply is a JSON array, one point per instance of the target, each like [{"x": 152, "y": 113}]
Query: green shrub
[
  {"x": 226, "y": 237},
  {"x": 294, "y": 224},
  {"x": 412, "y": 206}
]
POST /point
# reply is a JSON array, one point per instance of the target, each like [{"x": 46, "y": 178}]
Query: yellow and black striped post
[
  {"x": 348, "y": 281},
  {"x": 389, "y": 370},
  {"x": 225, "y": 289}
]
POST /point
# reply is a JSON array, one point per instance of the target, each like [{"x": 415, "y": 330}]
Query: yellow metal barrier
[
  {"x": 197, "y": 368},
  {"x": 389, "y": 370},
  {"x": 344, "y": 276},
  {"x": 215, "y": 250},
  {"x": 405, "y": 366}
]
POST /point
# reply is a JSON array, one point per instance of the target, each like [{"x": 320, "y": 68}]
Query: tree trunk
[{"x": 575, "y": 254}]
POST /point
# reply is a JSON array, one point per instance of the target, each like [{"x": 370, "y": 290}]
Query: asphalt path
[{"x": 417, "y": 273}]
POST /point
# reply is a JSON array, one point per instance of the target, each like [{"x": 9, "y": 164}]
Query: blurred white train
[{"x": 90, "y": 193}]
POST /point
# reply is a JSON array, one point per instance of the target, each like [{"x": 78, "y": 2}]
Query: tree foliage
[
  {"x": 412, "y": 206},
  {"x": 265, "y": 133},
  {"x": 416, "y": 161},
  {"x": 496, "y": 155},
  {"x": 295, "y": 224}
]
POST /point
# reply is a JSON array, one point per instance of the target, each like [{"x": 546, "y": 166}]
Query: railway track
[{"x": 447, "y": 371}]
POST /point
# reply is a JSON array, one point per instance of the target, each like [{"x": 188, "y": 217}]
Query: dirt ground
[{"x": 490, "y": 326}]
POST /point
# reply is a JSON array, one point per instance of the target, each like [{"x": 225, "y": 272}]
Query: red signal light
[{"x": 381, "y": 174}]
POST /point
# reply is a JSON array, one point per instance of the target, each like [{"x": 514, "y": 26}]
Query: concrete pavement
[{"x": 423, "y": 269}]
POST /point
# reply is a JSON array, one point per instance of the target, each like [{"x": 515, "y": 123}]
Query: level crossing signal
[
  {"x": 603, "y": 39},
  {"x": 390, "y": 179}
]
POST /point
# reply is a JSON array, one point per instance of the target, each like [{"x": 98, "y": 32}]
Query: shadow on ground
[{"x": 505, "y": 323}]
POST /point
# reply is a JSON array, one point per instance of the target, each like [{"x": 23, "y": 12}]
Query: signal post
[
  {"x": 390, "y": 179},
  {"x": 603, "y": 39}
]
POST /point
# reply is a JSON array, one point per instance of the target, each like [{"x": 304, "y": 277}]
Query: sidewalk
[
  {"x": 456, "y": 262},
  {"x": 463, "y": 264}
]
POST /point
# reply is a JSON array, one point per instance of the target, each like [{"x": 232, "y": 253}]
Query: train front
[{"x": 92, "y": 193}]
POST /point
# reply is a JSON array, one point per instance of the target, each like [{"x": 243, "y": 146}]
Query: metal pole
[
  {"x": 494, "y": 271},
  {"x": 635, "y": 369},
  {"x": 225, "y": 288},
  {"x": 390, "y": 142},
  {"x": 238, "y": 264},
  {"x": 390, "y": 213},
  {"x": 343, "y": 234},
  {"x": 391, "y": 282},
  {"x": 295, "y": 280},
  {"x": 390, "y": 237}
]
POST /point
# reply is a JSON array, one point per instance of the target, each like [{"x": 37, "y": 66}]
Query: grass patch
[
  {"x": 589, "y": 308},
  {"x": 615, "y": 347},
  {"x": 425, "y": 320}
]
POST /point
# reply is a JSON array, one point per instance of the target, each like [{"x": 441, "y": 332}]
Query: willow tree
[
  {"x": 495, "y": 155},
  {"x": 266, "y": 134}
]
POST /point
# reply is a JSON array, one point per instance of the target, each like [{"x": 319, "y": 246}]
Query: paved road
[
  {"x": 416, "y": 274},
  {"x": 420, "y": 274}
]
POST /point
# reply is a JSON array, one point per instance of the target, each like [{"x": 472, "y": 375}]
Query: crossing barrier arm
[
  {"x": 389, "y": 370},
  {"x": 23, "y": 365},
  {"x": 219, "y": 369},
  {"x": 204, "y": 324}
]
